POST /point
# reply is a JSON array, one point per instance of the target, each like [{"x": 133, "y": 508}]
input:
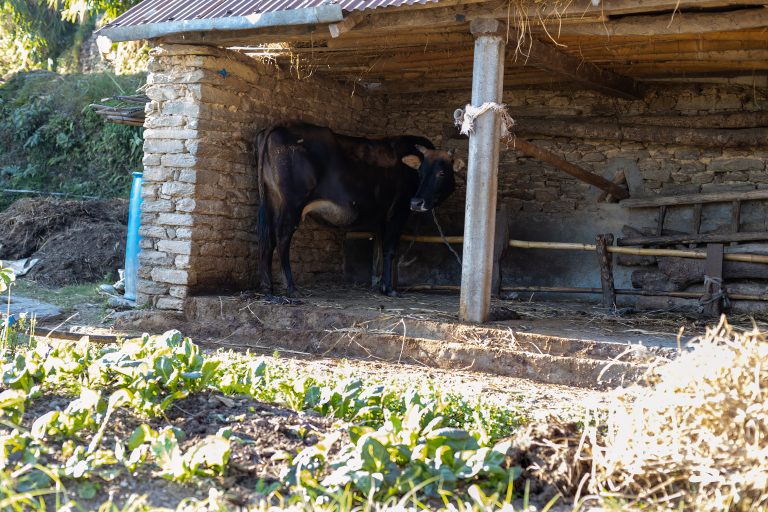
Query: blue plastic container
[{"x": 132, "y": 243}]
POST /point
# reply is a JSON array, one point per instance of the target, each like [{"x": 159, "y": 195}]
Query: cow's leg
[
  {"x": 266, "y": 238},
  {"x": 389, "y": 240},
  {"x": 286, "y": 227}
]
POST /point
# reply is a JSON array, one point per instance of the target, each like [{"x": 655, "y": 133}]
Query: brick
[
  {"x": 175, "y": 246},
  {"x": 186, "y": 204},
  {"x": 164, "y": 146},
  {"x": 174, "y": 219},
  {"x": 170, "y": 133},
  {"x": 157, "y": 205},
  {"x": 181, "y": 108},
  {"x": 188, "y": 176},
  {"x": 177, "y": 189},
  {"x": 736, "y": 164},
  {"x": 172, "y": 276},
  {"x": 148, "y": 287},
  {"x": 179, "y": 160},
  {"x": 152, "y": 232},
  {"x": 170, "y": 303},
  {"x": 153, "y": 258},
  {"x": 179, "y": 292}
]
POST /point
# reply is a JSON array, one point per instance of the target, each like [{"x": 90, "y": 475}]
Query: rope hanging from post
[{"x": 465, "y": 118}]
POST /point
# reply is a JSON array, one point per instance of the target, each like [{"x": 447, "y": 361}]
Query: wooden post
[
  {"x": 606, "y": 269},
  {"x": 500, "y": 244},
  {"x": 662, "y": 215},
  {"x": 546, "y": 156},
  {"x": 713, "y": 281},
  {"x": 482, "y": 172}
]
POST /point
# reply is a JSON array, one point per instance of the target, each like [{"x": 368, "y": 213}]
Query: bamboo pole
[
  {"x": 596, "y": 291},
  {"x": 570, "y": 246}
]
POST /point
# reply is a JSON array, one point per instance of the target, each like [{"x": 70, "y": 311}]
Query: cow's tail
[{"x": 264, "y": 233}]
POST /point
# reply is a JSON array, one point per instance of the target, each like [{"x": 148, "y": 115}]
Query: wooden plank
[
  {"x": 735, "y": 216},
  {"x": 713, "y": 281},
  {"x": 577, "y": 172},
  {"x": 694, "y": 238},
  {"x": 604, "y": 258},
  {"x": 696, "y": 218},
  {"x": 660, "y": 224},
  {"x": 713, "y": 197},
  {"x": 706, "y": 137},
  {"x": 607, "y": 82},
  {"x": 680, "y": 23},
  {"x": 500, "y": 246}
]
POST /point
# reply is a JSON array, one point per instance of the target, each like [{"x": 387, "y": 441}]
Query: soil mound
[{"x": 76, "y": 241}]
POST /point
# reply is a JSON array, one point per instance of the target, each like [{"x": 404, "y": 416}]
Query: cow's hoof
[
  {"x": 282, "y": 300},
  {"x": 389, "y": 292}
]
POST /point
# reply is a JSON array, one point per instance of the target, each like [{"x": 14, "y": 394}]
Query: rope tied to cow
[
  {"x": 465, "y": 118},
  {"x": 445, "y": 240}
]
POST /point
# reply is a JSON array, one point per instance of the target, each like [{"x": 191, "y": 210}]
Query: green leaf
[
  {"x": 87, "y": 490},
  {"x": 141, "y": 434}
]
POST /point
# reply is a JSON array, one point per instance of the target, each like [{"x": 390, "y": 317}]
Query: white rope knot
[{"x": 465, "y": 118}]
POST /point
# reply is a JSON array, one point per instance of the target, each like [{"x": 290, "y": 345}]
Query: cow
[{"x": 344, "y": 181}]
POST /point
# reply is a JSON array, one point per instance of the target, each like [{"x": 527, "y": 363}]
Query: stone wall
[
  {"x": 200, "y": 188},
  {"x": 546, "y": 204},
  {"x": 201, "y": 197}
]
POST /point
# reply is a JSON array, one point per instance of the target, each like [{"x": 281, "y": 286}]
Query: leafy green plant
[
  {"x": 51, "y": 141},
  {"x": 7, "y": 277}
]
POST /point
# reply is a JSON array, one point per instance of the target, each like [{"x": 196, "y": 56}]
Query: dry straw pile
[{"x": 697, "y": 436}]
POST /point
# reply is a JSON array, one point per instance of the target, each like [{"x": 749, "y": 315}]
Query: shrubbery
[{"x": 50, "y": 140}]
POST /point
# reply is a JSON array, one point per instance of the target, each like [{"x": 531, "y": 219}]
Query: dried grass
[{"x": 697, "y": 436}]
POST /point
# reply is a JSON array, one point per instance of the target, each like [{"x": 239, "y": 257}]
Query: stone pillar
[
  {"x": 200, "y": 183},
  {"x": 482, "y": 173}
]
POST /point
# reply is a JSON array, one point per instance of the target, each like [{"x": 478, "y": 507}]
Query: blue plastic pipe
[{"x": 132, "y": 243}]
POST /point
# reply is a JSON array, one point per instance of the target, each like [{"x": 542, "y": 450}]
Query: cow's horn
[{"x": 422, "y": 149}]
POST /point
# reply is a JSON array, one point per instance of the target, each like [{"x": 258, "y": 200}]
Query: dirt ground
[
  {"x": 75, "y": 241},
  {"x": 264, "y": 432}
]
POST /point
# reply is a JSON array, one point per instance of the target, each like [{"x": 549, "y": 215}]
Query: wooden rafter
[
  {"x": 545, "y": 56},
  {"x": 679, "y": 23}
]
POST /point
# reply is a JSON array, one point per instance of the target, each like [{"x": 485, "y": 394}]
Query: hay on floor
[{"x": 696, "y": 436}]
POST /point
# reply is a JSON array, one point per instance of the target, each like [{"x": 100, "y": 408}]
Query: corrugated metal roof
[{"x": 163, "y": 11}]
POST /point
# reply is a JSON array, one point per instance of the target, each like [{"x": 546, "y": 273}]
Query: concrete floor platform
[{"x": 569, "y": 343}]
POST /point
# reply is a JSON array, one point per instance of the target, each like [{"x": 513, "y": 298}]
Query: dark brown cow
[{"x": 344, "y": 181}]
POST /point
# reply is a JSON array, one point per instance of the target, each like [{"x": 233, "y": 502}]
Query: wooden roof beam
[
  {"x": 345, "y": 25},
  {"x": 667, "y": 24},
  {"x": 545, "y": 56}
]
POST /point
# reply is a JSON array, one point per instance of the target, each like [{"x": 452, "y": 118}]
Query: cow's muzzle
[{"x": 418, "y": 205}]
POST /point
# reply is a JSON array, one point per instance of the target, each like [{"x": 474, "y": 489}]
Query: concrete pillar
[{"x": 482, "y": 173}]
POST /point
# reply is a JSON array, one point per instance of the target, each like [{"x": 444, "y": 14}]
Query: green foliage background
[{"x": 50, "y": 140}]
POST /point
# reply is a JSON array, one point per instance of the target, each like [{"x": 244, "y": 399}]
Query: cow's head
[{"x": 436, "y": 176}]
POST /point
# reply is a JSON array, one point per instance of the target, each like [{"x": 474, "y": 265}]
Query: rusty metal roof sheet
[{"x": 164, "y": 11}]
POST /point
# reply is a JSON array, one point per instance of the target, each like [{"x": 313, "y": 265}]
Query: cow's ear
[
  {"x": 458, "y": 165},
  {"x": 412, "y": 161},
  {"x": 422, "y": 149}
]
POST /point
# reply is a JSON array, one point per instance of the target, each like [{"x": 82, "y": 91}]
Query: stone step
[
  {"x": 374, "y": 322},
  {"x": 352, "y": 342}
]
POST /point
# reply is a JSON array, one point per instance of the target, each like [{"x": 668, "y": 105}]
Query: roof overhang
[{"x": 330, "y": 13}]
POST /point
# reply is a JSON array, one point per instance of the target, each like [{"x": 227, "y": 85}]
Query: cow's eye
[{"x": 441, "y": 174}]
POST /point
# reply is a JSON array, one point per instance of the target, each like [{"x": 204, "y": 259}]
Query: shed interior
[{"x": 664, "y": 97}]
